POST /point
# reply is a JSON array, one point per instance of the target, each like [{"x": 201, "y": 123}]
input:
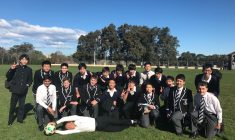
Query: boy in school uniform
[
  {"x": 110, "y": 100},
  {"x": 80, "y": 79},
  {"x": 103, "y": 78},
  {"x": 207, "y": 76},
  {"x": 148, "y": 106},
  {"x": 119, "y": 76},
  {"x": 77, "y": 124},
  {"x": 61, "y": 74},
  {"x": 39, "y": 75},
  {"x": 90, "y": 98},
  {"x": 180, "y": 103},
  {"x": 158, "y": 80},
  {"x": 207, "y": 115},
  {"x": 130, "y": 97},
  {"x": 20, "y": 76},
  {"x": 165, "y": 94},
  {"x": 132, "y": 74},
  {"x": 46, "y": 102},
  {"x": 67, "y": 104},
  {"x": 146, "y": 74}
]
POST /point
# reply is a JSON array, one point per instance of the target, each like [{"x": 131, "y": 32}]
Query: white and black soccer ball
[{"x": 50, "y": 129}]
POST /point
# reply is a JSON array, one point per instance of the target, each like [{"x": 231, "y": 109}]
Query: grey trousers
[
  {"x": 145, "y": 118},
  {"x": 92, "y": 111},
  {"x": 208, "y": 125},
  {"x": 43, "y": 116},
  {"x": 71, "y": 111},
  {"x": 177, "y": 118}
]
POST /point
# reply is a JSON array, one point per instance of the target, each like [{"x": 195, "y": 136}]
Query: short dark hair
[
  {"x": 47, "y": 77},
  {"x": 207, "y": 65},
  {"x": 112, "y": 79},
  {"x": 158, "y": 70},
  {"x": 180, "y": 76},
  {"x": 147, "y": 63},
  {"x": 202, "y": 83},
  {"x": 24, "y": 56},
  {"x": 67, "y": 79},
  {"x": 82, "y": 65},
  {"x": 132, "y": 67},
  {"x": 64, "y": 64},
  {"x": 94, "y": 77},
  {"x": 119, "y": 67},
  {"x": 132, "y": 81},
  {"x": 104, "y": 69},
  {"x": 148, "y": 83},
  {"x": 169, "y": 77},
  {"x": 46, "y": 62}
]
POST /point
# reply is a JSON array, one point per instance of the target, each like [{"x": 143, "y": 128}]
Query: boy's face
[
  {"x": 119, "y": 72},
  {"x": 158, "y": 75},
  {"x": 149, "y": 88},
  {"x": 93, "y": 81},
  {"x": 64, "y": 69},
  {"x": 112, "y": 84},
  {"x": 180, "y": 83},
  {"x": 47, "y": 82},
  {"x": 46, "y": 67},
  {"x": 105, "y": 73},
  {"x": 66, "y": 83},
  {"x": 131, "y": 85},
  {"x": 23, "y": 61},
  {"x": 169, "y": 82},
  {"x": 82, "y": 70},
  {"x": 207, "y": 71},
  {"x": 202, "y": 90},
  {"x": 147, "y": 67},
  {"x": 70, "y": 126},
  {"x": 131, "y": 72}
]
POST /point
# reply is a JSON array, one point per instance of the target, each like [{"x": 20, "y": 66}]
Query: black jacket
[
  {"x": 38, "y": 78},
  {"x": 213, "y": 85},
  {"x": 136, "y": 78},
  {"x": 144, "y": 100},
  {"x": 185, "y": 102},
  {"x": 21, "y": 79},
  {"x": 64, "y": 98},
  {"x": 119, "y": 79},
  {"x": 58, "y": 79},
  {"x": 157, "y": 84},
  {"x": 107, "y": 101},
  {"x": 87, "y": 95},
  {"x": 78, "y": 81}
]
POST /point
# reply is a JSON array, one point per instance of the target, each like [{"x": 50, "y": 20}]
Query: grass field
[{"x": 29, "y": 129}]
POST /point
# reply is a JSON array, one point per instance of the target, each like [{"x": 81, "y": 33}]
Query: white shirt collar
[
  {"x": 209, "y": 79},
  {"x": 111, "y": 92}
]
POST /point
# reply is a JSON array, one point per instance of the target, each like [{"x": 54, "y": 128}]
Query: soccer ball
[{"x": 49, "y": 129}]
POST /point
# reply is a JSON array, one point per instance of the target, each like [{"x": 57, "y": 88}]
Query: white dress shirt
[
  {"x": 41, "y": 96},
  {"x": 143, "y": 76},
  {"x": 111, "y": 92},
  {"x": 212, "y": 104},
  {"x": 83, "y": 124}
]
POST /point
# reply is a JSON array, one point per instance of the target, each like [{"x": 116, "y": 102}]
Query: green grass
[{"x": 30, "y": 131}]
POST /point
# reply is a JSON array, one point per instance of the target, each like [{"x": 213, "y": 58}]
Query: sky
[{"x": 201, "y": 26}]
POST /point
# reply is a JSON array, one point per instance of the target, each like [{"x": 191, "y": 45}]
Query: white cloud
[{"x": 16, "y": 31}]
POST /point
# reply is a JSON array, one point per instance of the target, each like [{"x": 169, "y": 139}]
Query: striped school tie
[
  {"x": 201, "y": 110},
  {"x": 48, "y": 97},
  {"x": 177, "y": 98}
]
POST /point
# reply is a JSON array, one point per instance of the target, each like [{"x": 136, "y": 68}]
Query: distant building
[{"x": 231, "y": 63}]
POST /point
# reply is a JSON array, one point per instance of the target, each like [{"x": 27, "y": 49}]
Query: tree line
[{"x": 126, "y": 43}]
